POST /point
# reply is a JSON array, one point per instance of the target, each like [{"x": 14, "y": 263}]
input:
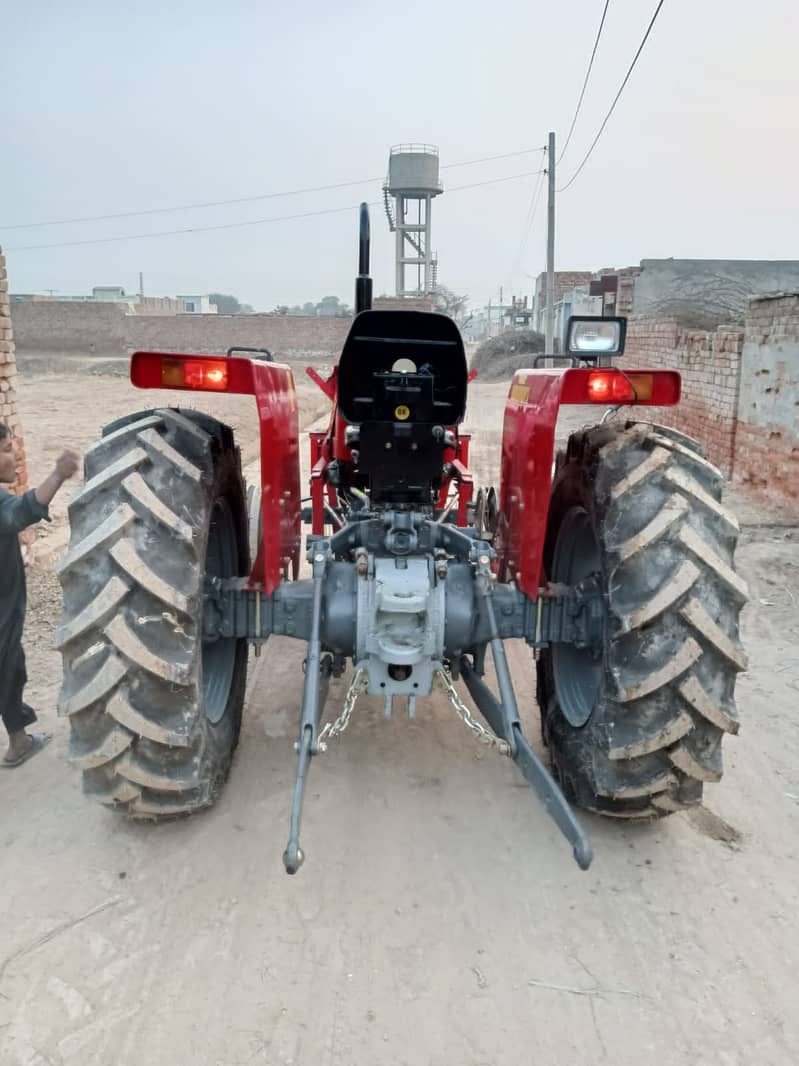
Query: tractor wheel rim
[
  {"x": 577, "y": 671},
  {"x": 219, "y": 655}
]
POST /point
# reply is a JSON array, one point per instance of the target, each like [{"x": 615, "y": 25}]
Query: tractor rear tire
[
  {"x": 634, "y": 730},
  {"x": 154, "y": 711}
]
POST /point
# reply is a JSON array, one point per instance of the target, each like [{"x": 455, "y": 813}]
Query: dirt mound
[{"x": 499, "y": 357}]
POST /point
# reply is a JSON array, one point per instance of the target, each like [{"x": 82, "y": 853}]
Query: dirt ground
[{"x": 439, "y": 919}]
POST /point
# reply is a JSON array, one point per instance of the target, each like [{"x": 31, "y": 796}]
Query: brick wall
[
  {"x": 105, "y": 329},
  {"x": 709, "y": 363},
  {"x": 767, "y": 431},
  {"x": 61, "y": 326},
  {"x": 740, "y": 393},
  {"x": 286, "y": 336},
  {"x": 566, "y": 280},
  {"x": 8, "y": 393}
]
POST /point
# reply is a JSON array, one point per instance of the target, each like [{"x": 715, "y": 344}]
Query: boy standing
[{"x": 16, "y": 514}]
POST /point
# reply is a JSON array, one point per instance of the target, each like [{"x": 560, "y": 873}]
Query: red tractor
[{"x": 613, "y": 560}]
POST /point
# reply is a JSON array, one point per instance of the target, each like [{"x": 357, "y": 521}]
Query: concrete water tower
[{"x": 412, "y": 183}]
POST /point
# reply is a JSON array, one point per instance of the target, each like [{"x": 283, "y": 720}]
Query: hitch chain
[
  {"x": 359, "y": 684},
  {"x": 463, "y": 712}
]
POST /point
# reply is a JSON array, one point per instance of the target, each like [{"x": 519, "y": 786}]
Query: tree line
[{"x": 444, "y": 300}]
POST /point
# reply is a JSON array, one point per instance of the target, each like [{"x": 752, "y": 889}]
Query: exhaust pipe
[{"x": 363, "y": 283}]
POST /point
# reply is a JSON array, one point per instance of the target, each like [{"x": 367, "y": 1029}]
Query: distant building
[
  {"x": 518, "y": 316},
  {"x": 111, "y": 293},
  {"x": 134, "y": 303},
  {"x": 497, "y": 318},
  {"x": 579, "y": 301},
  {"x": 197, "y": 305},
  {"x": 475, "y": 328},
  {"x": 699, "y": 293},
  {"x": 565, "y": 281}
]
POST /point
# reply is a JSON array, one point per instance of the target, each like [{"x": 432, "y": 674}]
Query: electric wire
[
  {"x": 587, "y": 156},
  {"x": 248, "y": 222},
  {"x": 249, "y": 199},
  {"x": 585, "y": 81},
  {"x": 532, "y": 209}
]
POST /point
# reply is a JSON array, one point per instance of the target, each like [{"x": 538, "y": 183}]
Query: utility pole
[
  {"x": 141, "y": 285},
  {"x": 550, "y": 333}
]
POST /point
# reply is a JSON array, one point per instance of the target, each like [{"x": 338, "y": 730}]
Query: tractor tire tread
[
  {"x": 672, "y": 645},
  {"x": 131, "y": 628},
  {"x": 140, "y": 494}
]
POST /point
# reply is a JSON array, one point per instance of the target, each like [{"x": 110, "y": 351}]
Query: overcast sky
[{"x": 114, "y": 108}]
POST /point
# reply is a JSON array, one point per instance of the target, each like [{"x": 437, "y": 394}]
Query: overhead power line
[
  {"x": 191, "y": 229},
  {"x": 531, "y": 219},
  {"x": 532, "y": 208},
  {"x": 249, "y": 222},
  {"x": 615, "y": 100},
  {"x": 495, "y": 181},
  {"x": 189, "y": 207},
  {"x": 248, "y": 199},
  {"x": 585, "y": 80},
  {"x": 491, "y": 158}
]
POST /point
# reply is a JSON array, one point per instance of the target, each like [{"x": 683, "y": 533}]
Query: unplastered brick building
[{"x": 740, "y": 390}]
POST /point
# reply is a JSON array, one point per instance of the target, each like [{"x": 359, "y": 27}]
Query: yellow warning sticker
[
  {"x": 402, "y": 413},
  {"x": 520, "y": 393}
]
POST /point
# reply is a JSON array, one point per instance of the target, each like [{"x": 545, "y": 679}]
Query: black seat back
[
  {"x": 402, "y": 379},
  {"x": 413, "y": 361}
]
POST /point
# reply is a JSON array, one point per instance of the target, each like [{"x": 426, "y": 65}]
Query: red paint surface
[
  {"x": 528, "y": 445},
  {"x": 327, "y": 385},
  {"x": 272, "y": 385}
]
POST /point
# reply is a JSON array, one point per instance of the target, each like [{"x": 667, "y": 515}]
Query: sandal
[{"x": 38, "y": 742}]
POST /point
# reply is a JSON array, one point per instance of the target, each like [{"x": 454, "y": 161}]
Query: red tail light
[
  {"x": 611, "y": 386},
  {"x": 205, "y": 373}
]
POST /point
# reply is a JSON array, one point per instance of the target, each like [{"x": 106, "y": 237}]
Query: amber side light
[{"x": 205, "y": 374}]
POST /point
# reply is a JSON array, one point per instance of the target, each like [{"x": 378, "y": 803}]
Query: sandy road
[{"x": 439, "y": 918}]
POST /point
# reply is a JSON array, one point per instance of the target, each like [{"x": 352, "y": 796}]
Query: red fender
[
  {"x": 528, "y": 451},
  {"x": 528, "y": 446},
  {"x": 272, "y": 385}
]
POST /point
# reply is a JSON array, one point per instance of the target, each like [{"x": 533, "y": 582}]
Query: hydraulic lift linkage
[{"x": 320, "y": 611}]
